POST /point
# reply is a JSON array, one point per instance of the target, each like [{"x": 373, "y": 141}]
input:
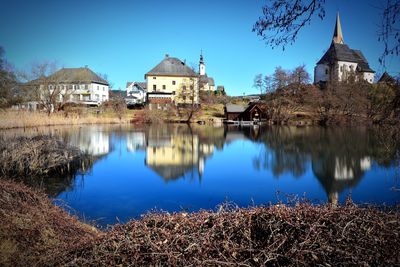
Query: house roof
[
  {"x": 341, "y": 52},
  {"x": 205, "y": 79},
  {"x": 172, "y": 66},
  {"x": 142, "y": 85},
  {"x": 77, "y": 75},
  {"x": 386, "y": 78},
  {"x": 231, "y": 108}
]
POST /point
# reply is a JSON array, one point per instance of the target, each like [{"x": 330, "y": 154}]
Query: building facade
[
  {"x": 172, "y": 82},
  {"x": 340, "y": 62},
  {"x": 73, "y": 85},
  {"x": 136, "y": 93}
]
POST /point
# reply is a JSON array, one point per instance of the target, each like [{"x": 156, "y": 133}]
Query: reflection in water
[
  {"x": 339, "y": 158},
  {"x": 238, "y": 163},
  {"x": 174, "y": 151}
]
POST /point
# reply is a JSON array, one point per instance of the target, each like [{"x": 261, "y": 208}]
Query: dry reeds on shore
[
  {"x": 25, "y": 119},
  {"x": 35, "y": 232},
  {"x": 39, "y": 156}
]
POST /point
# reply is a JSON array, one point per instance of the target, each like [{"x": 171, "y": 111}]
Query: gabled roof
[
  {"x": 341, "y": 52},
  {"x": 205, "y": 79},
  {"x": 171, "y": 66},
  {"x": 142, "y": 85},
  {"x": 76, "y": 75},
  {"x": 231, "y": 108},
  {"x": 386, "y": 78}
]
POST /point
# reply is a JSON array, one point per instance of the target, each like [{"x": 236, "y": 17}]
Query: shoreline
[{"x": 35, "y": 231}]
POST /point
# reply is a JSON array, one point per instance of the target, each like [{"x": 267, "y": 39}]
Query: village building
[
  {"x": 136, "y": 93},
  {"x": 172, "y": 82},
  {"x": 340, "y": 62},
  {"x": 206, "y": 83},
  {"x": 387, "y": 79},
  {"x": 254, "y": 112},
  {"x": 74, "y": 85}
]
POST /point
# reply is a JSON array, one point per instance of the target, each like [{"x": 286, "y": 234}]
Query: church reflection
[{"x": 339, "y": 158}]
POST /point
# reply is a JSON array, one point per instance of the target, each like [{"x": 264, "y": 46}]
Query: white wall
[
  {"x": 369, "y": 76},
  {"x": 320, "y": 74}
]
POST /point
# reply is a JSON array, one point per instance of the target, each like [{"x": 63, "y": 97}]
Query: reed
[{"x": 24, "y": 119}]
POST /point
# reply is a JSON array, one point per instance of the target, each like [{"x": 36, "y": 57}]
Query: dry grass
[
  {"x": 23, "y": 119},
  {"x": 40, "y": 156},
  {"x": 35, "y": 232}
]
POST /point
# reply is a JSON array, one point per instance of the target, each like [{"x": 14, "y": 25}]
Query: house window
[
  {"x": 163, "y": 87},
  {"x": 326, "y": 71},
  {"x": 173, "y": 82},
  {"x": 191, "y": 87},
  {"x": 341, "y": 68},
  {"x": 104, "y": 88},
  {"x": 184, "y": 97},
  {"x": 154, "y": 87},
  {"x": 154, "y": 78},
  {"x": 184, "y": 87},
  {"x": 98, "y": 87},
  {"x": 86, "y": 86}
]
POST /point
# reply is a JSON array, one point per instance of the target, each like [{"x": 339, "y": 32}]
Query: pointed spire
[
  {"x": 201, "y": 57},
  {"x": 338, "y": 35}
]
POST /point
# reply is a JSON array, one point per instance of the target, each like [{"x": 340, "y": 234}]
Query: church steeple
[
  {"x": 202, "y": 66},
  {"x": 338, "y": 35}
]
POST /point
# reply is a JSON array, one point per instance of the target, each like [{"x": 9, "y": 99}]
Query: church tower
[
  {"x": 337, "y": 34},
  {"x": 202, "y": 66}
]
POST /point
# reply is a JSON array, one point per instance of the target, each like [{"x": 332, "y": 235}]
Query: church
[
  {"x": 341, "y": 62},
  {"x": 205, "y": 83}
]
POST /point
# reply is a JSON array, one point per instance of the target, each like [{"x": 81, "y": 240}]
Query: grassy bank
[
  {"x": 35, "y": 232},
  {"x": 40, "y": 156},
  {"x": 23, "y": 119}
]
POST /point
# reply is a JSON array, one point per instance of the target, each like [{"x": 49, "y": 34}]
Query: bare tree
[
  {"x": 280, "y": 78},
  {"x": 282, "y": 20},
  {"x": 48, "y": 86},
  {"x": 258, "y": 82},
  {"x": 187, "y": 99},
  {"x": 8, "y": 82}
]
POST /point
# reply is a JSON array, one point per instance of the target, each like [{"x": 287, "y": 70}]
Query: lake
[{"x": 174, "y": 167}]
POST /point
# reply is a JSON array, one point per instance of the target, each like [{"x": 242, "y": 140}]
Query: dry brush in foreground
[{"x": 35, "y": 232}]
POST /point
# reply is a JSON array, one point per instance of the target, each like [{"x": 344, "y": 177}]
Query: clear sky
[{"x": 125, "y": 39}]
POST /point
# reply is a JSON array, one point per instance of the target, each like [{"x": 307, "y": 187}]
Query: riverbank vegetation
[
  {"x": 40, "y": 156},
  {"x": 24, "y": 119},
  {"x": 291, "y": 99},
  {"x": 33, "y": 231}
]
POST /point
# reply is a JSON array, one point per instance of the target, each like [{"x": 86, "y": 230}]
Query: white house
[
  {"x": 340, "y": 62},
  {"x": 78, "y": 85},
  {"x": 136, "y": 93}
]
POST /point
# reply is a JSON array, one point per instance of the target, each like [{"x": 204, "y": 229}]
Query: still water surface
[{"x": 177, "y": 167}]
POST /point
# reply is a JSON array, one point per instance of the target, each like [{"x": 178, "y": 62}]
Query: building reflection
[
  {"x": 93, "y": 140},
  {"x": 174, "y": 152}
]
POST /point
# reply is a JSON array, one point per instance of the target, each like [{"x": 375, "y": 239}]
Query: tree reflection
[{"x": 339, "y": 157}]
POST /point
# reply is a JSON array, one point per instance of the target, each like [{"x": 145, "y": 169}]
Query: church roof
[
  {"x": 172, "y": 66},
  {"x": 341, "y": 52}
]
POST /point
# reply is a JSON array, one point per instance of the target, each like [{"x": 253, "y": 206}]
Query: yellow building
[{"x": 172, "y": 82}]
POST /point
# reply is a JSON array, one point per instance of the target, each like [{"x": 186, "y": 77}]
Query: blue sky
[{"x": 125, "y": 39}]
